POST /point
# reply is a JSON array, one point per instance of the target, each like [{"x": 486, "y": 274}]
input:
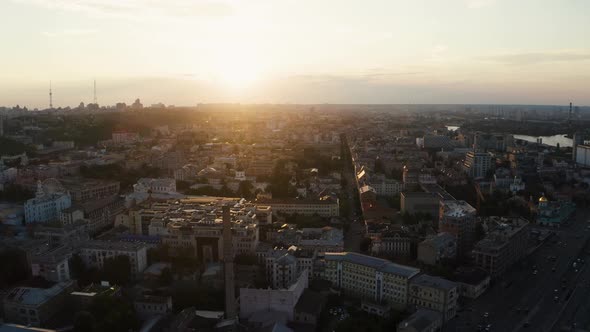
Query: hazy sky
[{"x": 301, "y": 51}]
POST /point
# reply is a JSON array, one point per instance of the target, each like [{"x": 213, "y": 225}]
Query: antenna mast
[
  {"x": 50, "y": 96},
  {"x": 95, "y": 101}
]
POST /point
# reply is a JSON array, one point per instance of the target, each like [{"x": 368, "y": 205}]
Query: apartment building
[
  {"x": 370, "y": 278},
  {"x": 46, "y": 205},
  {"x": 477, "y": 164}
]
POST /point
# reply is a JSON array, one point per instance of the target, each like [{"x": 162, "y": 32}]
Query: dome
[{"x": 543, "y": 199}]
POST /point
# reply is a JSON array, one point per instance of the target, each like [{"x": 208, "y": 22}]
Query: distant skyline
[{"x": 185, "y": 52}]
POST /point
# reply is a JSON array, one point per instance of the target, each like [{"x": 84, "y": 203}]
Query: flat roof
[{"x": 373, "y": 262}]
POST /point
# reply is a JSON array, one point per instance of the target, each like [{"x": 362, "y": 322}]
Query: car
[
  {"x": 553, "y": 269},
  {"x": 526, "y": 324},
  {"x": 555, "y": 290},
  {"x": 556, "y": 298},
  {"x": 486, "y": 314},
  {"x": 535, "y": 272}
]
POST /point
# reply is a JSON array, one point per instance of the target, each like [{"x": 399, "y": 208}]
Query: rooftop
[
  {"x": 36, "y": 296},
  {"x": 373, "y": 262},
  {"x": 457, "y": 209},
  {"x": 426, "y": 280}
]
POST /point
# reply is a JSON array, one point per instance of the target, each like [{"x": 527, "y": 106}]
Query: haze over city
[{"x": 381, "y": 51}]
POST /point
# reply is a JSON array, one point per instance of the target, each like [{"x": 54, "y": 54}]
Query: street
[{"x": 544, "y": 292}]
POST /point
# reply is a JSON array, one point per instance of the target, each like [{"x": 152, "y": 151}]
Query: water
[{"x": 549, "y": 140}]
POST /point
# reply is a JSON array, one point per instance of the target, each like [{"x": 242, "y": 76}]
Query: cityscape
[{"x": 246, "y": 199}]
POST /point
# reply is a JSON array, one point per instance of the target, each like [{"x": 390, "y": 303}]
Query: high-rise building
[
  {"x": 458, "y": 219},
  {"x": 477, "y": 164}
]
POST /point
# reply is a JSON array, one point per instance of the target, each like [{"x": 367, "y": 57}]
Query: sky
[{"x": 185, "y": 52}]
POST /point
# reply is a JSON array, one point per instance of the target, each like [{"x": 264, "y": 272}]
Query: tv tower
[
  {"x": 95, "y": 100},
  {"x": 50, "y": 96}
]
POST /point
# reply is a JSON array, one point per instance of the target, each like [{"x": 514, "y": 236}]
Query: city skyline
[{"x": 188, "y": 52}]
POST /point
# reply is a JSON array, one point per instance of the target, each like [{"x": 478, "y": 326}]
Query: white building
[
  {"x": 370, "y": 278},
  {"x": 47, "y": 204},
  {"x": 253, "y": 300}
]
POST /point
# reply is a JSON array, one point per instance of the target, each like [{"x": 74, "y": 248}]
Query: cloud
[
  {"x": 475, "y": 4},
  {"x": 538, "y": 57},
  {"x": 140, "y": 9},
  {"x": 69, "y": 32}
]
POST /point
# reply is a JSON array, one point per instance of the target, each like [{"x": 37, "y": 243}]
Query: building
[
  {"x": 458, "y": 218},
  {"x": 284, "y": 300},
  {"x": 82, "y": 189},
  {"x": 124, "y": 137},
  {"x": 582, "y": 155},
  {"x": 505, "y": 244},
  {"x": 554, "y": 213},
  {"x": 95, "y": 253},
  {"x": 47, "y": 204},
  {"x": 423, "y": 320},
  {"x": 384, "y": 186},
  {"x": 147, "y": 306},
  {"x": 477, "y": 164},
  {"x": 437, "y": 249},
  {"x": 396, "y": 242},
  {"x": 52, "y": 265},
  {"x": 434, "y": 293},
  {"x": 423, "y": 202},
  {"x": 155, "y": 186},
  {"x": 472, "y": 281},
  {"x": 283, "y": 266},
  {"x": 370, "y": 278},
  {"x": 324, "y": 207},
  {"x": 35, "y": 306}
]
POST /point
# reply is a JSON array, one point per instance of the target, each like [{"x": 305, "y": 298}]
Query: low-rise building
[
  {"x": 46, "y": 205},
  {"x": 35, "y": 306},
  {"x": 423, "y": 320},
  {"x": 324, "y": 207},
  {"x": 440, "y": 247},
  {"x": 147, "y": 306},
  {"x": 370, "y": 278},
  {"x": 95, "y": 253},
  {"x": 434, "y": 293}
]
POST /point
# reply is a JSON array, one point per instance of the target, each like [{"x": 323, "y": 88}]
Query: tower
[
  {"x": 50, "y": 96},
  {"x": 95, "y": 100},
  {"x": 228, "y": 266}
]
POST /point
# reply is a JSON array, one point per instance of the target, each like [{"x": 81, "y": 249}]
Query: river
[{"x": 549, "y": 140}]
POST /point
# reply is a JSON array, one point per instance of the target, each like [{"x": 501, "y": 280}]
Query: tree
[
  {"x": 117, "y": 270},
  {"x": 245, "y": 189},
  {"x": 166, "y": 277},
  {"x": 113, "y": 314},
  {"x": 84, "y": 322}
]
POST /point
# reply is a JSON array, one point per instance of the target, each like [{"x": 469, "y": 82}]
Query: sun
[
  {"x": 238, "y": 70},
  {"x": 238, "y": 75}
]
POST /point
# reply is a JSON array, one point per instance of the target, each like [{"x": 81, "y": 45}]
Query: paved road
[{"x": 525, "y": 300}]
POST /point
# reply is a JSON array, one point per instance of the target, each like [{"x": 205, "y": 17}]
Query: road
[{"x": 540, "y": 301}]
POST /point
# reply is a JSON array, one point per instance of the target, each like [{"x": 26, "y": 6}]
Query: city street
[{"x": 542, "y": 293}]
